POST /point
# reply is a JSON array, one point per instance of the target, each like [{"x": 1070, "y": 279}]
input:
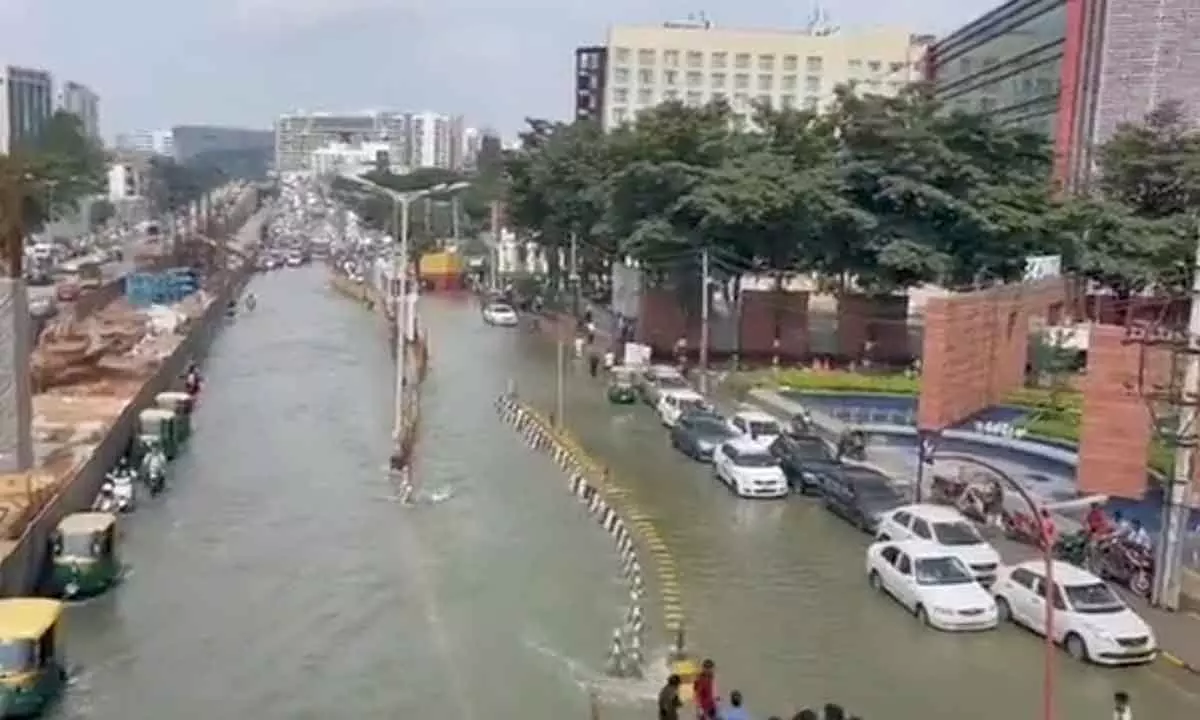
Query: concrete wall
[{"x": 21, "y": 569}]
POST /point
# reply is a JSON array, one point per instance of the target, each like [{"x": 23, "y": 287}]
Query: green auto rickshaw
[
  {"x": 622, "y": 388},
  {"x": 161, "y": 424},
  {"x": 84, "y": 555},
  {"x": 179, "y": 403},
  {"x": 32, "y": 671}
]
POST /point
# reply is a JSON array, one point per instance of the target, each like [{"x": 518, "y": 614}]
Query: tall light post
[{"x": 1036, "y": 510}]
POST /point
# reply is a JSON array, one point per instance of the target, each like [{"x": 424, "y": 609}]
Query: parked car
[
  {"x": 500, "y": 315},
  {"x": 1090, "y": 620},
  {"x": 756, "y": 426},
  {"x": 932, "y": 584},
  {"x": 860, "y": 495},
  {"x": 659, "y": 378},
  {"x": 947, "y": 528},
  {"x": 806, "y": 459},
  {"x": 747, "y": 469},
  {"x": 698, "y": 434},
  {"x": 672, "y": 404}
]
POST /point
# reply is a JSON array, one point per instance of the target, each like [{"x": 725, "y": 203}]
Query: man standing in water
[
  {"x": 668, "y": 699},
  {"x": 705, "y": 691}
]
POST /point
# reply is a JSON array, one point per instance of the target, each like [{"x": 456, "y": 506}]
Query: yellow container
[{"x": 440, "y": 264}]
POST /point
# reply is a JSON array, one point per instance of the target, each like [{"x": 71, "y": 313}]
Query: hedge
[{"x": 1056, "y": 417}]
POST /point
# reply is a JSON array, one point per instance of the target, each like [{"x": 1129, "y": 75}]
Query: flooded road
[{"x": 279, "y": 579}]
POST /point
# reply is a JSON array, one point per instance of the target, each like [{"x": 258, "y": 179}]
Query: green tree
[{"x": 68, "y": 165}]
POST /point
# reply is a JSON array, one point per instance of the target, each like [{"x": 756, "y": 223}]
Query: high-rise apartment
[
  {"x": 414, "y": 140},
  {"x": 642, "y": 66},
  {"x": 82, "y": 102},
  {"x": 26, "y": 104}
]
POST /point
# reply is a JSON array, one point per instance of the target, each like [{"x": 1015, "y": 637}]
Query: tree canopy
[
  {"x": 882, "y": 192},
  {"x": 56, "y": 171}
]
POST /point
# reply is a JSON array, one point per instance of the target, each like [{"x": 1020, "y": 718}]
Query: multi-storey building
[
  {"x": 82, "y": 102},
  {"x": 149, "y": 142},
  {"x": 26, "y": 104},
  {"x": 191, "y": 141},
  {"x": 414, "y": 139},
  {"x": 1073, "y": 69},
  {"x": 472, "y": 140},
  {"x": 642, "y": 66}
]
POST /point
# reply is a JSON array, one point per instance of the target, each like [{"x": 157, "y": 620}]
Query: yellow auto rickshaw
[
  {"x": 83, "y": 553},
  {"x": 32, "y": 671}
]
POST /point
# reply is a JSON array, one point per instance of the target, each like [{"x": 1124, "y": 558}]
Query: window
[
  {"x": 621, "y": 76},
  {"x": 765, "y": 82},
  {"x": 646, "y": 77},
  {"x": 890, "y": 553},
  {"x": 905, "y": 565},
  {"x": 811, "y": 103},
  {"x": 1024, "y": 578},
  {"x": 789, "y": 82},
  {"x": 622, "y": 56},
  {"x": 742, "y": 61},
  {"x": 766, "y": 63},
  {"x": 670, "y": 77},
  {"x": 813, "y": 64},
  {"x": 741, "y": 81},
  {"x": 645, "y": 57},
  {"x": 896, "y": 67},
  {"x": 719, "y": 97},
  {"x": 695, "y": 98},
  {"x": 740, "y": 102},
  {"x": 619, "y": 115},
  {"x": 695, "y": 59},
  {"x": 621, "y": 95},
  {"x": 874, "y": 66},
  {"x": 920, "y": 528},
  {"x": 855, "y": 66},
  {"x": 812, "y": 84},
  {"x": 787, "y": 102},
  {"x": 790, "y": 63},
  {"x": 671, "y": 95},
  {"x": 902, "y": 518},
  {"x": 717, "y": 80},
  {"x": 671, "y": 58},
  {"x": 645, "y": 96},
  {"x": 695, "y": 79},
  {"x": 719, "y": 59},
  {"x": 764, "y": 100}
]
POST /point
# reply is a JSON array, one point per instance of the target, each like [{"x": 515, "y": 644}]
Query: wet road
[
  {"x": 776, "y": 592},
  {"x": 278, "y": 579}
]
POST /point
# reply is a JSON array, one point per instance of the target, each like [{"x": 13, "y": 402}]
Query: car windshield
[
  {"x": 810, "y": 448},
  {"x": 763, "y": 427},
  {"x": 671, "y": 382},
  {"x": 755, "y": 460},
  {"x": 708, "y": 426},
  {"x": 693, "y": 404},
  {"x": 956, "y": 533},
  {"x": 16, "y": 656},
  {"x": 1095, "y": 599},
  {"x": 942, "y": 571},
  {"x": 500, "y": 309}
]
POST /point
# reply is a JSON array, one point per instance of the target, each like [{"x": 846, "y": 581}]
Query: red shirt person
[{"x": 704, "y": 691}]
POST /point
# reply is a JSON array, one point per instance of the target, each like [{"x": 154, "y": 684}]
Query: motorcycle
[
  {"x": 1073, "y": 548},
  {"x": 153, "y": 471},
  {"x": 977, "y": 500},
  {"x": 1020, "y": 527},
  {"x": 105, "y": 500},
  {"x": 192, "y": 383},
  {"x": 1114, "y": 558}
]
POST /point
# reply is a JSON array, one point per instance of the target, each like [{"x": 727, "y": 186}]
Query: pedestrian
[
  {"x": 610, "y": 359},
  {"x": 704, "y": 691},
  {"x": 1122, "y": 710},
  {"x": 668, "y": 699},
  {"x": 735, "y": 710},
  {"x": 593, "y": 363},
  {"x": 805, "y": 714},
  {"x": 833, "y": 711}
]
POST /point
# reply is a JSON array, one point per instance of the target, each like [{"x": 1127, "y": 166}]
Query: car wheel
[
  {"x": 922, "y": 615},
  {"x": 1076, "y": 647},
  {"x": 874, "y": 581},
  {"x": 1003, "y": 611}
]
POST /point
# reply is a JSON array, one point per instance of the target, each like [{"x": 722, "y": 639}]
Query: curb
[
  {"x": 586, "y": 481},
  {"x": 1178, "y": 662}
]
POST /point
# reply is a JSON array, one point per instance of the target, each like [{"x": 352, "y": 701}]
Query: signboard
[
  {"x": 626, "y": 290},
  {"x": 1042, "y": 267}
]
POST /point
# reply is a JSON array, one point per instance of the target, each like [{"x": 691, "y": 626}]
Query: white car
[
  {"x": 749, "y": 470},
  {"x": 672, "y": 404},
  {"x": 500, "y": 314},
  {"x": 1090, "y": 620},
  {"x": 659, "y": 379},
  {"x": 757, "y": 426},
  {"x": 947, "y": 528},
  {"x": 933, "y": 584}
]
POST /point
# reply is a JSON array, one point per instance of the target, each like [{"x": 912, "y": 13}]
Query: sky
[{"x": 244, "y": 62}]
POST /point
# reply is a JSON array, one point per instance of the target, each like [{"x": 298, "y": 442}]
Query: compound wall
[{"x": 976, "y": 347}]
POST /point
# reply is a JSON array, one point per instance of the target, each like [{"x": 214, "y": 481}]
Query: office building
[
  {"x": 642, "y": 66},
  {"x": 414, "y": 139},
  {"x": 80, "y": 101},
  {"x": 190, "y": 142},
  {"x": 147, "y": 142},
  {"x": 26, "y": 104},
  {"x": 340, "y": 158},
  {"x": 472, "y": 141},
  {"x": 1072, "y": 69}
]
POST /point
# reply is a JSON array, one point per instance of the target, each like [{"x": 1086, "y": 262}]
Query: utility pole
[
  {"x": 574, "y": 275},
  {"x": 16, "y": 411},
  {"x": 1177, "y": 507},
  {"x": 497, "y": 236},
  {"x": 560, "y": 381},
  {"x": 399, "y": 291},
  {"x": 704, "y": 313}
]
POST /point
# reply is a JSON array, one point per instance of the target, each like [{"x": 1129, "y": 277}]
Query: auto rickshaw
[
  {"x": 84, "y": 555},
  {"x": 179, "y": 403},
  {"x": 161, "y": 424},
  {"x": 622, "y": 389},
  {"x": 32, "y": 672}
]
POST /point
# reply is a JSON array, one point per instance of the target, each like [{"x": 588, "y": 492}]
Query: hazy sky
[{"x": 242, "y": 62}]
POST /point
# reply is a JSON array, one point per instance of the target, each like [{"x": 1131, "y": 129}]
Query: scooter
[
  {"x": 105, "y": 500},
  {"x": 192, "y": 384},
  {"x": 123, "y": 490},
  {"x": 153, "y": 471}
]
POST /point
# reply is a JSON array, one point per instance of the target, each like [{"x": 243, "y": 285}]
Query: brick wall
[{"x": 1151, "y": 53}]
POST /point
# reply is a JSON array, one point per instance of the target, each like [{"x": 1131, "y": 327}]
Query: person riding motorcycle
[
  {"x": 192, "y": 379},
  {"x": 1098, "y": 524}
]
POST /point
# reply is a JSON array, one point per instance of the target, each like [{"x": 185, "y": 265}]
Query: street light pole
[{"x": 704, "y": 312}]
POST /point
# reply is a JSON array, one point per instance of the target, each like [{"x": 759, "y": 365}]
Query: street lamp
[{"x": 1038, "y": 512}]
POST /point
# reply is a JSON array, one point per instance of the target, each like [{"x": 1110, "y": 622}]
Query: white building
[
  {"x": 155, "y": 142},
  {"x": 413, "y": 139},
  {"x": 352, "y": 158},
  {"x": 471, "y": 141},
  {"x": 26, "y": 104},
  {"x": 79, "y": 100},
  {"x": 126, "y": 180}
]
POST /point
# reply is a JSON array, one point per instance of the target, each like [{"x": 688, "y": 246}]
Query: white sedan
[
  {"x": 749, "y": 470},
  {"x": 500, "y": 314},
  {"x": 947, "y": 528},
  {"x": 1090, "y": 620},
  {"x": 935, "y": 586},
  {"x": 759, "y": 427},
  {"x": 672, "y": 404}
]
